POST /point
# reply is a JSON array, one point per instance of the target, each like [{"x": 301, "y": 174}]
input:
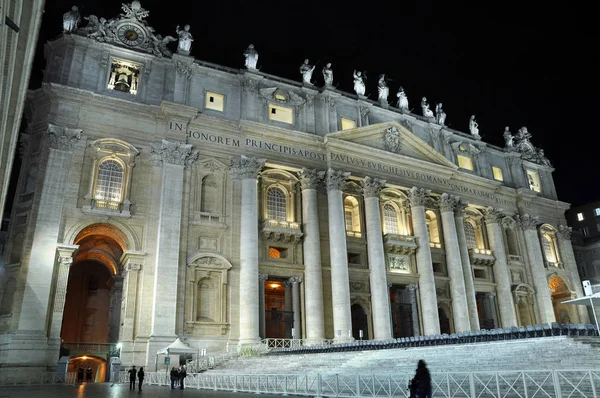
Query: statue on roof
[
  {"x": 474, "y": 127},
  {"x": 383, "y": 89},
  {"x": 71, "y": 20},
  {"x": 251, "y": 56},
  {"x": 328, "y": 74},
  {"x": 509, "y": 139},
  {"x": 440, "y": 115},
  {"x": 159, "y": 45},
  {"x": 134, "y": 10},
  {"x": 100, "y": 29},
  {"x": 185, "y": 40},
  {"x": 306, "y": 70},
  {"x": 425, "y": 108},
  {"x": 359, "y": 83},
  {"x": 542, "y": 158},
  {"x": 402, "y": 99}
]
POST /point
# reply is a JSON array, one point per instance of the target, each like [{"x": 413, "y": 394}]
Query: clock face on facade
[{"x": 131, "y": 34}]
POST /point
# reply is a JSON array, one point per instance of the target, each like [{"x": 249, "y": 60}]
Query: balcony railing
[
  {"x": 481, "y": 257},
  {"x": 354, "y": 234},
  {"x": 400, "y": 244},
  {"x": 207, "y": 218},
  {"x": 435, "y": 245},
  {"x": 514, "y": 259},
  {"x": 281, "y": 230}
]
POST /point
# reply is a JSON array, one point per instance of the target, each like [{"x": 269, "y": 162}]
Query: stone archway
[
  {"x": 97, "y": 364},
  {"x": 93, "y": 300},
  {"x": 360, "y": 321},
  {"x": 560, "y": 292}
]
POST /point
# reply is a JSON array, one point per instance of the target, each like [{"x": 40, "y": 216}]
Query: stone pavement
[{"x": 104, "y": 390}]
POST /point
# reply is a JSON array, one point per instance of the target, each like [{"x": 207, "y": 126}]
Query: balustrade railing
[
  {"x": 20, "y": 378},
  {"x": 89, "y": 347},
  {"x": 505, "y": 384},
  {"x": 291, "y": 343}
]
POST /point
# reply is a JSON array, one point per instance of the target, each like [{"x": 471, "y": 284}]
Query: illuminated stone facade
[{"x": 228, "y": 205}]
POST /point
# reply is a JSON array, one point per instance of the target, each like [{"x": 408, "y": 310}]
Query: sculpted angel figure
[
  {"x": 71, "y": 20},
  {"x": 402, "y": 99},
  {"x": 328, "y": 74},
  {"x": 473, "y": 126},
  {"x": 359, "y": 83},
  {"x": 185, "y": 40},
  {"x": 159, "y": 45},
  {"x": 99, "y": 29},
  {"x": 509, "y": 139},
  {"x": 306, "y": 70},
  {"x": 440, "y": 115},
  {"x": 425, "y": 108},
  {"x": 382, "y": 88},
  {"x": 251, "y": 56}
]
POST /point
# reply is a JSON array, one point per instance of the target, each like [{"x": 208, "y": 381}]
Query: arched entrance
[
  {"x": 279, "y": 318},
  {"x": 560, "y": 292},
  {"x": 359, "y": 322},
  {"x": 444, "y": 321},
  {"x": 97, "y": 364},
  {"x": 92, "y": 304}
]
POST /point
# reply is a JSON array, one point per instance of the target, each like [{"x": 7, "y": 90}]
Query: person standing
[
  {"x": 88, "y": 374},
  {"x": 174, "y": 377},
  {"x": 421, "y": 383},
  {"x": 132, "y": 372},
  {"x": 182, "y": 374},
  {"x": 140, "y": 376},
  {"x": 80, "y": 373}
]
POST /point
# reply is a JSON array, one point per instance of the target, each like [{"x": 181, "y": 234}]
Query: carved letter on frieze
[
  {"x": 173, "y": 152},
  {"x": 62, "y": 138},
  {"x": 527, "y": 222},
  {"x": 391, "y": 140},
  {"x": 246, "y": 168},
  {"x": 335, "y": 179},
  {"x": 418, "y": 196},
  {"x": 565, "y": 232},
  {"x": 371, "y": 187},
  {"x": 493, "y": 215},
  {"x": 447, "y": 202},
  {"x": 309, "y": 179}
]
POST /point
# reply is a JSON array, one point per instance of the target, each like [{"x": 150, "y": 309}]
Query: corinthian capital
[
  {"x": 62, "y": 138},
  {"x": 418, "y": 196},
  {"x": 493, "y": 215},
  {"x": 173, "y": 152},
  {"x": 371, "y": 186},
  {"x": 65, "y": 260},
  {"x": 448, "y": 202},
  {"x": 565, "y": 232},
  {"x": 309, "y": 179},
  {"x": 527, "y": 222},
  {"x": 246, "y": 168},
  {"x": 335, "y": 179}
]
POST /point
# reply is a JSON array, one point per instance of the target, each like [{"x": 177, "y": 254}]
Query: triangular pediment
[{"x": 394, "y": 138}]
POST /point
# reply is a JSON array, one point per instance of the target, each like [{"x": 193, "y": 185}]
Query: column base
[
  {"x": 153, "y": 345},
  {"x": 340, "y": 340},
  {"x": 315, "y": 341},
  {"x": 30, "y": 350}
]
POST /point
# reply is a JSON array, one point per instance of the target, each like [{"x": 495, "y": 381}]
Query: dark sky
[{"x": 509, "y": 63}]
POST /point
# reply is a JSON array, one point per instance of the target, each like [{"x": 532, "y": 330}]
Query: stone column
[
  {"x": 508, "y": 316},
  {"x": 131, "y": 265},
  {"x": 114, "y": 317},
  {"x": 568, "y": 260},
  {"x": 460, "y": 308},
  {"x": 173, "y": 157},
  {"x": 429, "y": 314},
  {"x": 288, "y": 306},
  {"x": 64, "y": 260},
  {"x": 340, "y": 283},
  {"x": 313, "y": 278},
  {"x": 37, "y": 298},
  {"x": 412, "y": 289},
  {"x": 261, "y": 305},
  {"x": 491, "y": 302},
  {"x": 296, "y": 306},
  {"x": 459, "y": 222},
  {"x": 536, "y": 261},
  {"x": 380, "y": 298},
  {"x": 246, "y": 169}
]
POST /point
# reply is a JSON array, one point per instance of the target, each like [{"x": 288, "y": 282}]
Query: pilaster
[{"x": 568, "y": 259}]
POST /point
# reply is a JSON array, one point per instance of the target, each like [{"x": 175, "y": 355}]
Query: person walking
[
  {"x": 421, "y": 383},
  {"x": 140, "y": 375},
  {"x": 174, "y": 377},
  {"x": 132, "y": 372},
  {"x": 182, "y": 375}
]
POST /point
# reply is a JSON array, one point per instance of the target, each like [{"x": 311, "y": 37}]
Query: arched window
[
  {"x": 470, "y": 235},
  {"x": 352, "y": 214},
  {"x": 208, "y": 199},
  {"x": 390, "y": 219},
  {"x": 7, "y": 296},
  {"x": 110, "y": 181},
  {"x": 432, "y": 227},
  {"x": 276, "y": 205}
]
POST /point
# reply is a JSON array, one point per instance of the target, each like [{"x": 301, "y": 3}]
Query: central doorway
[
  {"x": 359, "y": 322},
  {"x": 278, "y": 321},
  {"x": 402, "y": 320}
]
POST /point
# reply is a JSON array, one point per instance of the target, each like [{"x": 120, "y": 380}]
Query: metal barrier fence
[
  {"x": 505, "y": 384},
  {"x": 13, "y": 378}
]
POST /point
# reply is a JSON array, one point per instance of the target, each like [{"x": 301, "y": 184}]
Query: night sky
[{"x": 510, "y": 64}]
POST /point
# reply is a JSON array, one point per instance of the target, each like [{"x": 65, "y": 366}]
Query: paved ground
[{"x": 104, "y": 390}]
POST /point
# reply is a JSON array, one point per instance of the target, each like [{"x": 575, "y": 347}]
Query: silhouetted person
[
  {"x": 174, "y": 377},
  {"x": 182, "y": 374},
  {"x": 132, "y": 372},
  {"x": 88, "y": 374},
  {"x": 140, "y": 378},
  {"x": 80, "y": 373},
  {"x": 421, "y": 383}
]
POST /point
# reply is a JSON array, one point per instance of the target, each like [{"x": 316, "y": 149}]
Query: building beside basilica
[{"x": 163, "y": 196}]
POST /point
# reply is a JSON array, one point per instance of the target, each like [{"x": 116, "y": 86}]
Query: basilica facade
[{"x": 162, "y": 196}]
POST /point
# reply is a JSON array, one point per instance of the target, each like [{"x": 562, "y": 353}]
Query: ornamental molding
[
  {"x": 418, "y": 196},
  {"x": 310, "y": 179},
  {"x": 371, "y": 187},
  {"x": 62, "y": 138},
  {"x": 335, "y": 179},
  {"x": 173, "y": 152},
  {"x": 246, "y": 167}
]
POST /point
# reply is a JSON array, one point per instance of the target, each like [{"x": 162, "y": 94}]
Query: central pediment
[{"x": 394, "y": 138}]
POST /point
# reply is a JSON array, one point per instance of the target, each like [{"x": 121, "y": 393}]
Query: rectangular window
[
  {"x": 585, "y": 231},
  {"x": 533, "y": 178},
  {"x": 597, "y": 211},
  {"x": 348, "y": 124},
  {"x": 497, "y": 171},
  {"x": 214, "y": 101},
  {"x": 465, "y": 162},
  {"x": 281, "y": 114},
  {"x": 579, "y": 216}
]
